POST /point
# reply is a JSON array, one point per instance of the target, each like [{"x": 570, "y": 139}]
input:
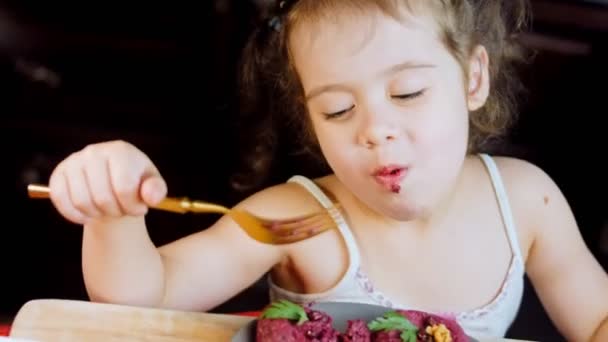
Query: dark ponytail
[{"x": 261, "y": 91}]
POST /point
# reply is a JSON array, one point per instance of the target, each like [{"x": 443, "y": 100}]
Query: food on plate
[
  {"x": 290, "y": 322},
  {"x": 356, "y": 331},
  {"x": 415, "y": 326}
]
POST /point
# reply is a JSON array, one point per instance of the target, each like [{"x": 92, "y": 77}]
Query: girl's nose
[{"x": 376, "y": 131}]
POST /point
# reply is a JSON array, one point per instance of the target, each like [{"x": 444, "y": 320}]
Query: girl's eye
[
  {"x": 409, "y": 96},
  {"x": 338, "y": 114}
]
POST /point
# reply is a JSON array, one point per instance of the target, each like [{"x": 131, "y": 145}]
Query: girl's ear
[{"x": 478, "y": 79}]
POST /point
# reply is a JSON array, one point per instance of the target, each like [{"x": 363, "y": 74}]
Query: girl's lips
[{"x": 390, "y": 177}]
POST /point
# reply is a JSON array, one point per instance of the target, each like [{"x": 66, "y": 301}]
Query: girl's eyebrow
[
  {"x": 388, "y": 71},
  {"x": 404, "y": 66}
]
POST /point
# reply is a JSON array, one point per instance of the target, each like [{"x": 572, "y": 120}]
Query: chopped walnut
[{"x": 439, "y": 332}]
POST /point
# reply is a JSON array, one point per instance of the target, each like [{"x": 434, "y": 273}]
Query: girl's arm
[
  {"x": 571, "y": 284},
  {"x": 194, "y": 273},
  {"x": 206, "y": 269},
  {"x": 109, "y": 186}
]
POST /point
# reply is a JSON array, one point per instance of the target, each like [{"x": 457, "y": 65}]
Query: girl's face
[{"x": 389, "y": 106}]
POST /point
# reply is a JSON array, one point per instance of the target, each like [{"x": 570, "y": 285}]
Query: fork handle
[
  {"x": 176, "y": 205},
  {"x": 38, "y": 191}
]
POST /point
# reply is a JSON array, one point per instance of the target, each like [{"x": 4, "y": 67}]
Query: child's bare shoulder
[
  {"x": 525, "y": 180},
  {"x": 533, "y": 194},
  {"x": 282, "y": 200}
]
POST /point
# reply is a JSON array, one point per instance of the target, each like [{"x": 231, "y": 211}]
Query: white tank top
[{"x": 490, "y": 320}]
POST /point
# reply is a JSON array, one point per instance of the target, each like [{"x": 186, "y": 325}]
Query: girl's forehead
[
  {"x": 354, "y": 26},
  {"x": 360, "y": 49},
  {"x": 317, "y": 14},
  {"x": 353, "y": 32}
]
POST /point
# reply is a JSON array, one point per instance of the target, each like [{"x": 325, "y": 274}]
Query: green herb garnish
[
  {"x": 393, "y": 320},
  {"x": 287, "y": 310}
]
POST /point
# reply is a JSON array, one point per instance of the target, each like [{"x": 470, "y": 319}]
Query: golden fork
[{"x": 270, "y": 231}]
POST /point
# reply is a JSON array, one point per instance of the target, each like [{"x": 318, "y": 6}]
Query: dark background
[{"x": 74, "y": 73}]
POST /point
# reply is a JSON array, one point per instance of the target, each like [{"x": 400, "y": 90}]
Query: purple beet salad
[{"x": 284, "y": 321}]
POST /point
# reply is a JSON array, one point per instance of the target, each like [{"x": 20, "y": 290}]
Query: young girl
[{"x": 399, "y": 97}]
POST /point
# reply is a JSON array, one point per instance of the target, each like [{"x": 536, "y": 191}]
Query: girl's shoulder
[
  {"x": 287, "y": 199},
  {"x": 534, "y": 197},
  {"x": 524, "y": 181}
]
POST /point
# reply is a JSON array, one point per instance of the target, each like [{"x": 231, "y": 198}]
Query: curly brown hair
[{"x": 272, "y": 95}]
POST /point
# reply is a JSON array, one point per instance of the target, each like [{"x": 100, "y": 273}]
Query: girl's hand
[{"x": 106, "y": 180}]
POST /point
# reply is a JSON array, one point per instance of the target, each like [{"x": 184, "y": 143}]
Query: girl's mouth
[{"x": 390, "y": 177}]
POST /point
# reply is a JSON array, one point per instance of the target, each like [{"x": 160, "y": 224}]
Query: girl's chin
[
  {"x": 401, "y": 211},
  {"x": 406, "y": 214}
]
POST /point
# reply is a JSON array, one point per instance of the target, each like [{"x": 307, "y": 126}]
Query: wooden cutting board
[{"x": 67, "y": 321}]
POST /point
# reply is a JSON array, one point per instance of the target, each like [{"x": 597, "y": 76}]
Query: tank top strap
[
  {"x": 503, "y": 203},
  {"x": 325, "y": 201}
]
